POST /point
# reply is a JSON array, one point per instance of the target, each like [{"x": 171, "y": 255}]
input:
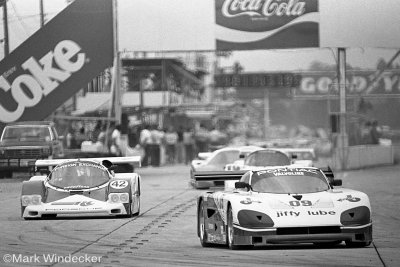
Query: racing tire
[
  {"x": 229, "y": 230},
  {"x": 202, "y": 226},
  {"x": 138, "y": 204},
  {"x": 352, "y": 244}
]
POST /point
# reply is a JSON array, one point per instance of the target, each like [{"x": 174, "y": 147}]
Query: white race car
[
  {"x": 284, "y": 205},
  {"x": 82, "y": 187}
]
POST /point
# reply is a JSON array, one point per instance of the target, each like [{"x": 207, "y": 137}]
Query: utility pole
[
  {"x": 342, "y": 138},
  {"x": 5, "y": 26},
  {"x": 41, "y": 14}
]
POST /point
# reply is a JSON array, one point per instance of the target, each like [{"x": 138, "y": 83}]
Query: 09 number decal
[{"x": 296, "y": 203}]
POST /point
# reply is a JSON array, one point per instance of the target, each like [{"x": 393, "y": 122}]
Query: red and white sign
[
  {"x": 57, "y": 61},
  {"x": 266, "y": 24}
]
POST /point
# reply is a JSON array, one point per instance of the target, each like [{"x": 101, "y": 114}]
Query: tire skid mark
[
  {"x": 122, "y": 225},
  {"x": 144, "y": 235},
  {"x": 379, "y": 255}
]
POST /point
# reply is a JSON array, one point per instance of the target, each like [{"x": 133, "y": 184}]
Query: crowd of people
[{"x": 157, "y": 146}]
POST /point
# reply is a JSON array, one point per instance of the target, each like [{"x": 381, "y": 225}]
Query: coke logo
[
  {"x": 41, "y": 77},
  {"x": 266, "y": 8}
]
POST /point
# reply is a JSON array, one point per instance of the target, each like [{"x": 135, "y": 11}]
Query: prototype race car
[
  {"x": 284, "y": 205},
  {"x": 260, "y": 159},
  {"x": 82, "y": 187},
  {"x": 210, "y": 171}
]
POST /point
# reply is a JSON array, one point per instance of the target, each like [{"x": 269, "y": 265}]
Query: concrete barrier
[{"x": 358, "y": 157}]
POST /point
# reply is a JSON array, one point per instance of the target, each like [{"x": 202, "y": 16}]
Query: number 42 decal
[{"x": 119, "y": 184}]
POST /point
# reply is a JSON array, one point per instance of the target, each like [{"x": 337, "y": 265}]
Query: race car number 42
[{"x": 119, "y": 184}]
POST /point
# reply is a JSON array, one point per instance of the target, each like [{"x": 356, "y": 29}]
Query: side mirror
[
  {"x": 336, "y": 182},
  {"x": 242, "y": 185}
]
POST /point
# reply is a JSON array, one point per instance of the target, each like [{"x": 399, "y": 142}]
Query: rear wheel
[{"x": 202, "y": 226}]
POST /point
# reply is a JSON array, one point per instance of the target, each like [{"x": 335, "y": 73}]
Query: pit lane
[{"x": 165, "y": 232}]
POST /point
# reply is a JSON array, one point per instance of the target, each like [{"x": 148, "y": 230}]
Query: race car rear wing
[
  {"x": 44, "y": 164},
  {"x": 213, "y": 176}
]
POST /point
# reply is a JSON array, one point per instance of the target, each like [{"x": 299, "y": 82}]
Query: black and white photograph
[{"x": 199, "y": 133}]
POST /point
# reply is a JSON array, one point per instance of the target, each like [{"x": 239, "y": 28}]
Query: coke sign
[
  {"x": 57, "y": 61},
  {"x": 266, "y": 24}
]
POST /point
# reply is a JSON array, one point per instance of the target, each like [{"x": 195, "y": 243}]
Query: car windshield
[
  {"x": 289, "y": 181},
  {"x": 26, "y": 133},
  {"x": 224, "y": 157},
  {"x": 78, "y": 175},
  {"x": 266, "y": 158}
]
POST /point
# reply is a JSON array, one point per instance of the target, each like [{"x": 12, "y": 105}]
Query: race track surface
[{"x": 164, "y": 234}]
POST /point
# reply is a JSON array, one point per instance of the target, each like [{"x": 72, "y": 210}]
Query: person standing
[
  {"x": 171, "y": 140},
  {"x": 179, "y": 145},
  {"x": 116, "y": 141},
  {"x": 144, "y": 141},
  {"x": 188, "y": 142}
]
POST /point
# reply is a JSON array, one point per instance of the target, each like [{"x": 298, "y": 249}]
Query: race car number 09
[
  {"x": 119, "y": 184},
  {"x": 300, "y": 203}
]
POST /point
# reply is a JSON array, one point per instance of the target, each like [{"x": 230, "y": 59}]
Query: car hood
[
  {"x": 289, "y": 210},
  {"x": 10, "y": 143}
]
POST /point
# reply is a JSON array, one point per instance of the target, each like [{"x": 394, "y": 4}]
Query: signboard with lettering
[
  {"x": 57, "y": 61},
  {"x": 357, "y": 83},
  {"x": 258, "y": 80},
  {"x": 266, "y": 24}
]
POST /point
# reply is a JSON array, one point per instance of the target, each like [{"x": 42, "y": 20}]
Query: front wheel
[
  {"x": 138, "y": 207},
  {"x": 202, "y": 226},
  {"x": 229, "y": 234}
]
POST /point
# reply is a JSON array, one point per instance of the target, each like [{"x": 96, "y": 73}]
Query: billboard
[
  {"x": 57, "y": 61},
  {"x": 266, "y": 24}
]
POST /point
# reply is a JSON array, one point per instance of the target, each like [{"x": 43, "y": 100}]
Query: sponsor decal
[
  {"x": 288, "y": 171},
  {"x": 74, "y": 203},
  {"x": 350, "y": 198},
  {"x": 266, "y": 24},
  {"x": 248, "y": 201},
  {"x": 299, "y": 213},
  {"x": 119, "y": 184}
]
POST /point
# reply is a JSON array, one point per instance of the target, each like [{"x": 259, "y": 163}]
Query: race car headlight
[
  {"x": 27, "y": 200},
  {"x": 118, "y": 198},
  {"x": 254, "y": 219},
  {"x": 356, "y": 216}
]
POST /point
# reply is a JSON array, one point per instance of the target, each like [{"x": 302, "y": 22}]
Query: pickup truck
[{"x": 22, "y": 143}]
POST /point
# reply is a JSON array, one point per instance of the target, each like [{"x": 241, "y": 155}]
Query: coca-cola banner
[
  {"x": 266, "y": 24},
  {"x": 57, "y": 61}
]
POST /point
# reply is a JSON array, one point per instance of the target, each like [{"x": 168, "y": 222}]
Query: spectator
[
  {"x": 144, "y": 140},
  {"x": 188, "y": 141},
  {"x": 96, "y": 131},
  {"x": 366, "y": 133},
  {"x": 80, "y": 137},
  {"x": 374, "y": 132},
  {"x": 179, "y": 145},
  {"x": 156, "y": 137},
  {"x": 202, "y": 138},
  {"x": 171, "y": 140},
  {"x": 116, "y": 141}
]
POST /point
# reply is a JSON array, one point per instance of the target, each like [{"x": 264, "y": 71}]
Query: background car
[
  {"x": 284, "y": 205},
  {"x": 259, "y": 159},
  {"x": 212, "y": 167},
  {"x": 82, "y": 187}
]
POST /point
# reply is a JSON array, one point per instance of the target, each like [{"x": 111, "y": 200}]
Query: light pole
[{"x": 5, "y": 27}]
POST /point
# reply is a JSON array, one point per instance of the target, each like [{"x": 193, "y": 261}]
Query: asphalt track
[{"x": 164, "y": 234}]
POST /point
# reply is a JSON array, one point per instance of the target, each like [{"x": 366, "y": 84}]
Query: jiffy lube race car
[
  {"x": 284, "y": 205},
  {"x": 82, "y": 187}
]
